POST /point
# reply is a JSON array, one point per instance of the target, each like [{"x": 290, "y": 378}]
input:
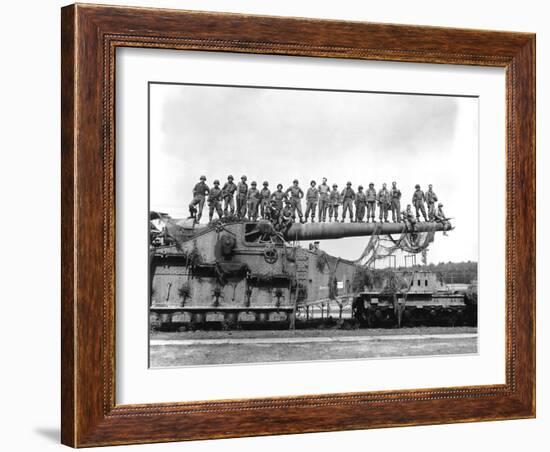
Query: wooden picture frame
[{"x": 90, "y": 36}]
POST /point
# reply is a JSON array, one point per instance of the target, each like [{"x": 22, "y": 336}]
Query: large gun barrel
[{"x": 320, "y": 231}]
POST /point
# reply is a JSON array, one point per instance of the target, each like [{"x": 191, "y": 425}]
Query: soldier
[
  {"x": 265, "y": 195},
  {"x": 199, "y": 193},
  {"x": 348, "y": 196},
  {"x": 215, "y": 201},
  {"x": 418, "y": 202},
  {"x": 286, "y": 217},
  {"x": 296, "y": 194},
  {"x": 279, "y": 196},
  {"x": 440, "y": 217},
  {"x": 395, "y": 203},
  {"x": 431, "y": 199},
  {"x": 312, "y": 197},
  {"x": 227, "y": 194},
  {"x": 324, "y": 193},
  {"x": 272, "y": 212},
  {"x": 253, "y": 200},
  {"x": 409, "y": 218},
  {"x": 360, "y": 204},
  {"x": 384, "y": 203},
  {"x": 334, "y": 201},
  {"x": 371, "y": 202},
  {"x": 242, "y": 190}
]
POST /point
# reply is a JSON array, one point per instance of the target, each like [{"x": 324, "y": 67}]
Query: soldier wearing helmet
[
  {"x": 242, "y": 191},
  {"x": 348, "y": 196},
  {"x": 360, "y": 204},
  {"x": 324, "y": 193},
  {"x": 384, "y": 203},
  {"x": 265, "y": 196},
  {"x": 253, "y": 201},
  {"x": 371, "y": 202},
  {"x": 335, "y": 199},
  {"x": 215, "y": 201},
  {"x": 228, "y": 190},
  {"x": 312, "y": 197},
  {"x": 418, "y": 200},
  {"x": 296, "y": 195},
  {"x": 200, "y": 190},
  {"x": 279, "y": 196},
  {"x": 431, "y": 199},
  {"x": 440, "y": 217}
]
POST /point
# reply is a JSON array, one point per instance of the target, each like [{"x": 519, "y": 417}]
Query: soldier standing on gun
[
  {"x": 348, "y": 196},
  {"x": 253, "y": 200},
  {"x": 395, "y": 203},
  {"x": 312, "y": 197},
  {"x": 324, "y": 193},
  {"x": 242, "y": 190},
  {"x": 265, "y": 195},
  {"x": 384, "y": 203},
  {"x": 215, "y": 201},
  {"x": 227, "y": 194},
  {"x": 199, "y": 194},
  {"x": 371, "y": 202},
  {"x": 334, "y": 201},
  {"x": 360, "y": 204},
  {"x": 296, "y": 195},
  {"x": 431, "y": 199},
  {"x": 279, "y": 196},
  {"x": 418, "y": 202}
]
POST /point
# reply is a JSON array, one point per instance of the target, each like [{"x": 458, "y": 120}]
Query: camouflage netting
[{"x": 383, "y": 246}]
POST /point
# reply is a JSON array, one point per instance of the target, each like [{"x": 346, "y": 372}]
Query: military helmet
[
  {"x": 243, "y": 177},
  {"x": 348, "y": 183},
  {"x": 295, "y": 181},
  {"x": 230, "y": 177},
  {"x": 334, "y": 185},
  {"x": 313, "y": 183},
  {"x": 371, "y": 184},
  {"x": 279, "y": 185},
  {"x": 216, "y": 182},
  {"x": 440, "y": 204},
  {"x": 266, "y": 183},
  {"x": 203, "y": 177},
  {"x": 417, "y": 186},
  {"x": 253, "y": 182},
  {"x": 360, "y": 187}
]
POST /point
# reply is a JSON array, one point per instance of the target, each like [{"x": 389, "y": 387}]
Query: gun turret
[{"x": 320, "y": 231}]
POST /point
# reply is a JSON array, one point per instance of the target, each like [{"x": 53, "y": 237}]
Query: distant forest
[{"x": 452, "y": 272}]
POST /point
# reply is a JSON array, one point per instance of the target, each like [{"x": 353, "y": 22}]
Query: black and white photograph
[{"x": 307, "y": 224}]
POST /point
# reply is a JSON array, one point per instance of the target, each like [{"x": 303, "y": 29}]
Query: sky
[{"x": 282, "y": 134}]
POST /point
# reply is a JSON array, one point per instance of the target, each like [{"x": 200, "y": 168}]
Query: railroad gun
[{"x": 234, "y": 274}]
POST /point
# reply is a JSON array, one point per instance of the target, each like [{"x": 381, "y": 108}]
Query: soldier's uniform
[
  {"x": 431, "y": 199},
  {"x": 279, "y": 197},
  {"x": 199, "y": 195},
  {"x": 409, "y": 219},
  {"x": 324, "y": 193},
  {"x": 253, "y": 200},
  {"x": 242, "y": 190},
  {"x": 348, "y": 196},
  {"x": 360, "y": 204},
  {"x": 335, "y": 199},
  {"x": 296, "y": 194},
  {"x": 371, "y": 202},
  {"x": 228, "y": 190},
  {"x": 395, "y": 204},
  {"x": 215, "y": 201},
  {"x": 286, "y": 217},
  {"x": 418, "y": 203},
  {"x": 272, "y": 212},
  {"x": 312, "y": 197},
  {"x": 265, "y": 196},
  {"x": 384, "y": 203}
]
